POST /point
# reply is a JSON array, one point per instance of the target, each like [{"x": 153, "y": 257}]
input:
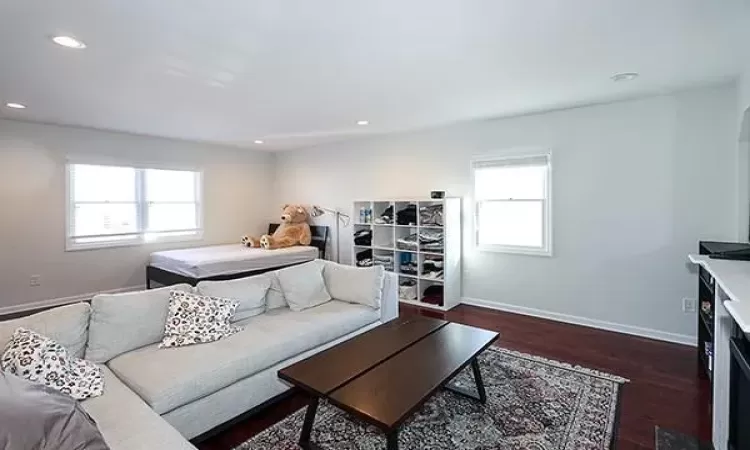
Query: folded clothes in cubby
[
  {"x": 433, "y": 295},
  {"x": 431, "y": 215},
  {"x": 407, "y": 216},
  {"x": 427, "y": 240},
  {"x": 432, "y": 267},
  {"x": 363, "y": 237},
  {"x": 407, "y": 290},
  {"x": 408, "y": 264},
  {"x": 384, "y": 260},
  {"x": 408, "y": 242},
  {"x": 364, "y": 258},
  {"x": 386, "y": 217}
]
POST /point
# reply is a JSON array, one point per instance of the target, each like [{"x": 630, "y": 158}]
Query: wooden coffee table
[{"x": 384, "y": 375}]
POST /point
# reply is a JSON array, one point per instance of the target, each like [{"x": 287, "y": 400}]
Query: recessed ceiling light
[
  {"x": 67, "y": 41},
  {"x": 363, "y": 122},
  {"x": 15, "y": 105},
  {"x": 258, "y": 141},
  {"x": 626, "y": 76}
]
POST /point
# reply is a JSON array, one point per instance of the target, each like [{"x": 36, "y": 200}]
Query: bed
[{"x": 227, "y": 262}]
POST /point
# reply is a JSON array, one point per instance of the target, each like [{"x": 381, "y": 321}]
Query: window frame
[
  {"x": 517, "y": 154},
  {"x": 141, "y": 237}
]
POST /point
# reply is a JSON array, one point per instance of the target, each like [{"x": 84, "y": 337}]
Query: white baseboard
[
  {"x": 51, "y": 303},
  {"x": 683, "y": 339}
]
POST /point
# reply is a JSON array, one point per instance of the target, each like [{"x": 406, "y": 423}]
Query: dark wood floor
[{"x": 665, "y": 387}]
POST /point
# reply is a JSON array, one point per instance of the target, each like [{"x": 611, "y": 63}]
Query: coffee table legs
[
  {"x": 312, "y": 409},
  {"x": 392, "y": 440},
  {"x": 481, "y": 395}
]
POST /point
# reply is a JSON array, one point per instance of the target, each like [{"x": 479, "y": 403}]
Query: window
[
  {"x": 513, "y": 210},
  {"x": 116, "y": 205}
]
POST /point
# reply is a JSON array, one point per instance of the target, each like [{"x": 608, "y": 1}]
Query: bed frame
[{"x": 167, "y": 278}]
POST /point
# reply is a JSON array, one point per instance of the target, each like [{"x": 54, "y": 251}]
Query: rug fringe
[{"x": 564, "y": 365}]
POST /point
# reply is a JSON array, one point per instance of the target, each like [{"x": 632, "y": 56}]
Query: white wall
[
  {"x": 237, "y": 187},
  {"x": 743, "y": 151},
  {"x": 636, "y": 185}
]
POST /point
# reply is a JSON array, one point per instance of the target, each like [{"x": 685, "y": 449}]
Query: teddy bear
[{"x": 293, "y": 230}]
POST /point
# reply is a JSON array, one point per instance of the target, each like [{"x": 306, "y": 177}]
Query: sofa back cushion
[
  {"x": 362, "y": 285},
  {"x": 124, "y": 322},
  {"x": 67, "y": 325},
  {"x": 250, "y": 292},
  {"x": 275, "y": 296},
  {"x": 303, "y": 285}
]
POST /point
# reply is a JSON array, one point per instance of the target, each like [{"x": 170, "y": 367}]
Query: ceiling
[{"x": 297, "y": 73}]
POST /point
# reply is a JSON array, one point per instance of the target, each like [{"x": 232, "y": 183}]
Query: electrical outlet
[
  {"x": 35, "y": 280},
  {"x": 689, "y": 305}
]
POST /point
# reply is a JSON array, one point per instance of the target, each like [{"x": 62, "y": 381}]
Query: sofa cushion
[
  {"x": 40, "y": 359},
  {"x": 67, "y": 325},
  {"x": 362, "y": 285},
  {"x": 169, "y": 378},
  {"x": 124, "y": 322},
  {"x": 127, "y": 423},
  {"x": 303, "y": 285},
  {"x": 250, "y": 292},
  {"x": 206, "y": 413},
  {"x": 33, "y": 416},
  {"x": 198, "y": 319}
]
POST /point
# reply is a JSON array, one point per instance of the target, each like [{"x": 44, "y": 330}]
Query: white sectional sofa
[{"x": 161, "y": 398}]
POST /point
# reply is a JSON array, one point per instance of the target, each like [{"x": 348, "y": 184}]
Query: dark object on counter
[
  {"x": 737, "y": 255},
  {"x": 437, "y": 194},
  {"x": 725, "y": 250}
]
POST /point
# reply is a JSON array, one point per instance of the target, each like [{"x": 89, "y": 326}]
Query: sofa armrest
[{"x": 389, "y": 300}]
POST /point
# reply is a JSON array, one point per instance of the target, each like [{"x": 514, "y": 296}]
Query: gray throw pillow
[{"x": 33, "y": 416}]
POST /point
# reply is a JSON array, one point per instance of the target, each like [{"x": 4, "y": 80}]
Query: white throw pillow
[
  {"x": 362, "y": 285},
  {"x": 41, "y": 360},
  {"x": 249, "y": 292},
  {"x": 303, "y": 285},
  {"x": 196, "y": 319}
]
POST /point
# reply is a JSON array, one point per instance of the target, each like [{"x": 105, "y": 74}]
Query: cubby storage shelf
[
  {"x": 423, "y": 304},
  {"x": 384, "y": 237}
]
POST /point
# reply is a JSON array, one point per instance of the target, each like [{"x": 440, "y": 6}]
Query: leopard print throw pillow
[
  {"x": 196, "y": 319},
  {"x": 42, "y": 360}
]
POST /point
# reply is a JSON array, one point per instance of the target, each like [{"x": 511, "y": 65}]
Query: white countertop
[{"x": 734, "y": 279}]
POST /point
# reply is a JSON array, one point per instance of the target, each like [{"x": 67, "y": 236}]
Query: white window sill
[
  {"x": 529, "y": 251},
  {"x": 75, "y": 247}
]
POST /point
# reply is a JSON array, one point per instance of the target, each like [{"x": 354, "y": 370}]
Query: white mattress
[{"x": 215, "y": 260}]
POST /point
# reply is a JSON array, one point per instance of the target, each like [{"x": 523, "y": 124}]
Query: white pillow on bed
[
  {"x": 303, "y": 285},
  {"x": 250, "y": 292}
]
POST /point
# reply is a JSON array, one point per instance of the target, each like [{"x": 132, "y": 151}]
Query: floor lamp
[{"x": 341, "y": 218}]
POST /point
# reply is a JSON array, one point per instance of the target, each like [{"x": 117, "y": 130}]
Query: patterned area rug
[{"x": 532, "y": 404}]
